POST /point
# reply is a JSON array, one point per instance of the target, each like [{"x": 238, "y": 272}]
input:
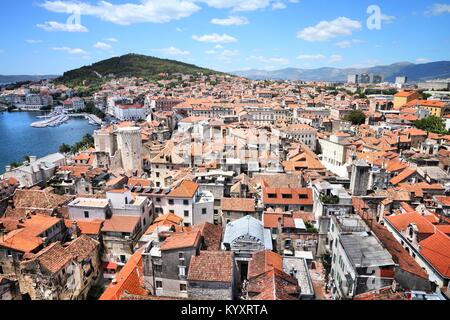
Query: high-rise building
[
  {"x": 352, "y": 78},
  {"x": 401, "y": 80},
  {"x": 364, "y": 78}
]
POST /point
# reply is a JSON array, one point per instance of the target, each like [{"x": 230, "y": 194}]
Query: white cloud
[
  {"x": 102, "y": 46},
  {"x": 111, "y": 40},
  {"x": 74, "y": 51},
  {"x": 272, "y": 60},
  {"x": 218, "y": 46},
  {"x": 215, "y": 38},
  {"x": 172, "y": 51},
  {"x": 387, "y": 19},
  {"x": 229, "y": 53},
  {"x": 65, "y": 27},
  {"x": 422, "y": 60},
  {"x": 211, "y": 52},
  {"x": 33, "y": 41},
  {"x": 238, "y": 5},
  {"x": 127, "y": 13},
  {"x": 326, "y": 30},
  {"x": 347, "y": 43},
  {"x": 311, "y": 57},
  {"x": 318, "y": 57},
  {"x": 178, "y": 29},
  {"x": 438, "y": 9},
  {"x": 335, "y": 58},
  {"x": 278, "y": 5},
  {"x": 231, "y": 21}
]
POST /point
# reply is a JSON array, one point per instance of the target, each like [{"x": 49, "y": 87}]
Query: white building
[
  {"x": 35, "y": 102},
  {"x": 186, "y": 201},
  {"x": 89, "y": 209},
  {"x": 36, "y": 171},
  {"x": 130, "y": 112}
]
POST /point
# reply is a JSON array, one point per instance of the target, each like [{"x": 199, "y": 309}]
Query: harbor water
[{"x": 18, "y": 139}]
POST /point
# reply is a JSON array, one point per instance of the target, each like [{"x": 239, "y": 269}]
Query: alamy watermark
[{"x": 375, "y": 20}]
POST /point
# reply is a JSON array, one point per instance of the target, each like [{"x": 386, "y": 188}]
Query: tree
[
  {"x": 356, "y": 117},
  {"x": 425, "y": 96},
  {"x": 64, "y": 148},
  {"x": 15, "y": 164},
  {"x": 431, "y": 124},
  {"x": 310, "y": 228}
]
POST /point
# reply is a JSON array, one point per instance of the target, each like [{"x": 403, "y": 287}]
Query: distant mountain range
[
  {"x": 414, "y": 72},
  {"x": 130, "y": 65},
  {"x": 21, "y": 78}
]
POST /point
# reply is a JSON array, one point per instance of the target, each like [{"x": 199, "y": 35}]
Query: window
[
  {"x": 181, "y": 255},
  {"x": 171, "y": 202},
  {"x": 159, "y": 285},
  {"x": 86, "y": 214},
  {"x": 158, "y": 199},
  {"x": 157, "y": 174},
  {"x": 183, "y": 287},
  {"x": 287, "y": 196},
  {"x": 157, "y": 268},
  {"x": 182, "y": 271},
  {"x": 186, "y": 213},
  {"x": 186, "y": 202},
  {"x": 272, "y": 195},
  {"x": 204, "y": 211}
]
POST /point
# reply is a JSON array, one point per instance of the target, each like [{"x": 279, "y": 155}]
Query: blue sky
[{"x": 53, "y": 36}]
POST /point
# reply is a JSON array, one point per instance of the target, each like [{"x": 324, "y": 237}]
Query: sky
[{"x": 54, "y": 36}]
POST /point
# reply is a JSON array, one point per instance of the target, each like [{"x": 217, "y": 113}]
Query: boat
[{"x": 52, "y": 122}]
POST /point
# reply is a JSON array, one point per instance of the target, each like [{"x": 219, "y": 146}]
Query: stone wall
[{"x": 202, "y": 290}]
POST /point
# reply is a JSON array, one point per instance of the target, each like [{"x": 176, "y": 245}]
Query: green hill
[{"x": 130, "y": 65}]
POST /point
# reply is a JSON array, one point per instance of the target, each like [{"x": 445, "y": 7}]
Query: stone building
[
  {"x": 245, "y": 237},
  {"x": 7, "y": 189},
  {"x": 61, "y": 272},
  {"x": 29, "y": 235},
  {"x": 212, "y": 276},
  {"x": 166, "y": 264},
  {"x": 9, "y": 289}
]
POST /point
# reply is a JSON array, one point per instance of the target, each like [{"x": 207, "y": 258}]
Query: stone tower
[
  {"x": 129, "y": 144},
  {"x": 360, "y": 178}
]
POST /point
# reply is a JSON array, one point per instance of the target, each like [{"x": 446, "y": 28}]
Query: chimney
[
  {"x": 74, "y": 230},
  {"x": 7, "y": 168},
  {"x": 33, "y": 158},
  {"x": 280, "y": 221}
]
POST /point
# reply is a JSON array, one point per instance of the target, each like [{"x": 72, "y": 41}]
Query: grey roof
[
  {"x": 248, "y": 226},
  {"x": 300, "y": 266},
  {"x": 46, "y": 162},
  {"x": 361, "y": 163},
  {"x": 365, "y": 251}
]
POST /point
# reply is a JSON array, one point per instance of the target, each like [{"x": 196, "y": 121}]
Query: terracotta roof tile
[
  {"x": 130, "y": 280},
  {"x": 213, "y": 266},
  {"x": 181, "y": 240},
  {"x": 187, "y": 189},
  {"x": 238, "y": 204}
]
